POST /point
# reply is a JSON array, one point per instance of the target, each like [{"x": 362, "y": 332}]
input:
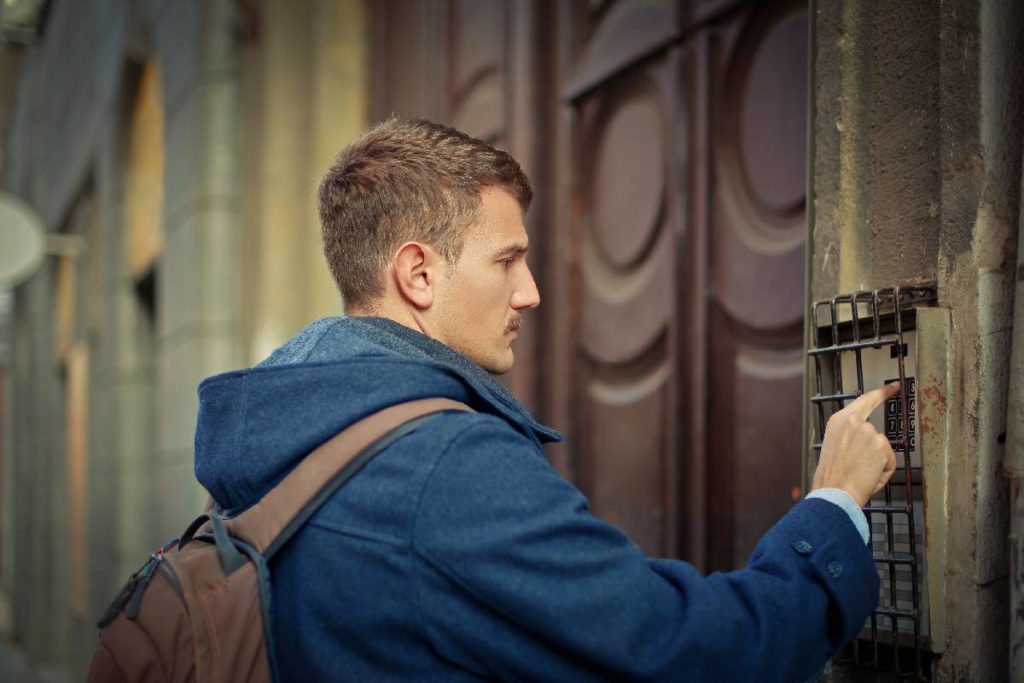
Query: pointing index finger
[{"x": 864, "y": 404}]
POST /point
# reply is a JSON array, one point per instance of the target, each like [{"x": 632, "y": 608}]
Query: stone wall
[
  {"x": 67, "y": 145},
  {"x": 917, "y": 176}
]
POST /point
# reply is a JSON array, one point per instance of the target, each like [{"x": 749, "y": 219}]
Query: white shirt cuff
[{"x": 845, "y": 501}]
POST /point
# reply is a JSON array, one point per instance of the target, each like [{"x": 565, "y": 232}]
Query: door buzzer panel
[{"x": 859, "y": 342}]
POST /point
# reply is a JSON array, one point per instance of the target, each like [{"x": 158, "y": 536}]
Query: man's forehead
[
  {"x": 492, "y": 241},
  {"x": 499, "y": 224}
]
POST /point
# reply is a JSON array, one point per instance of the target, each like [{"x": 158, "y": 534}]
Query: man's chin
[
  {"x": 499, "y": 366},
  {"x": 498, "y": 362}
]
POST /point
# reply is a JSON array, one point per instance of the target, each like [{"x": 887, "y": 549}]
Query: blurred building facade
[{"x": 702, "y": 169}]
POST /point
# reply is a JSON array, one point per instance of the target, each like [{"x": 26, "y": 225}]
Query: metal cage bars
[{"x": 876, "y": 320}]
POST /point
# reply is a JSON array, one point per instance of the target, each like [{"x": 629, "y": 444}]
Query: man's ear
[{"x": 415, "y": 270}]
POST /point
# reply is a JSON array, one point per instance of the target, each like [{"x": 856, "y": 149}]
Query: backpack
[{"x": 199, "y": 609}]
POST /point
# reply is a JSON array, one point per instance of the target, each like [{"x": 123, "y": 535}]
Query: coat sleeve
[{"x": 518, "y": 581}]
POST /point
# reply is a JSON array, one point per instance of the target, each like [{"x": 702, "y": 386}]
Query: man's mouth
[{"x": 514, "y": 324}]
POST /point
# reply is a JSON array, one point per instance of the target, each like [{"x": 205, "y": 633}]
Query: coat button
[
  {"x": 803, "y": 547},
  {"x": 835, "y": 569}
]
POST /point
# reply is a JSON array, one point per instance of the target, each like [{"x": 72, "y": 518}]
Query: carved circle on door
[
  {"x": 625, "y": 250},
  {"x": 773, "y": 120},
  {"x": 763, "y": 132},
  {"x": 760, "y": 229},
  {"x": 627, "y": 180}
]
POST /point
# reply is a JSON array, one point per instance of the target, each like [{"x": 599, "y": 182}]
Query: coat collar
[{"x": 482, "y": 382}]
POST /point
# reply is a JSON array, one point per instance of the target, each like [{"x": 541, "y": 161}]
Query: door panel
[
  {"x": 626, "y": 355},
  {"x": 731, "y": 263},
  {"x": 760, "y": 123},
  {"x": 757, "y": 233}
]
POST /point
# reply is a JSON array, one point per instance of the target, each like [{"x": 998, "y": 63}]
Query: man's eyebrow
[{"x": 511, "y": 250}]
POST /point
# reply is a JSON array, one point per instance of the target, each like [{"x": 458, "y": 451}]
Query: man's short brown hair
[{"x": 405, "y": 181}]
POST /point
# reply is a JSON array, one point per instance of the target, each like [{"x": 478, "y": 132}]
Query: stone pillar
[
  {"x": 198, "y": 271},
  {"x": 41, "y": 577},
  {"x": 917, "y": 130}
]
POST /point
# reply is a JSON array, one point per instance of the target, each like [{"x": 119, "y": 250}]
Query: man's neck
[{"x": 399, "y": 314}]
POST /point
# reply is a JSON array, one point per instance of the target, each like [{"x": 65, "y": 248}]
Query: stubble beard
[{"x": 499, "y": 366}]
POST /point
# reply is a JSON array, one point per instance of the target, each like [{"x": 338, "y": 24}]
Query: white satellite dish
[{"x": 22, "y": 240}]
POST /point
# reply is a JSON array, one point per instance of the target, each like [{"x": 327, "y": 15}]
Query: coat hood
[{"x": 254, "y": 425}]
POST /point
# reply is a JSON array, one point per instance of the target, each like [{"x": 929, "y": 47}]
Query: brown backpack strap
[{"x": 262, "y": 523}]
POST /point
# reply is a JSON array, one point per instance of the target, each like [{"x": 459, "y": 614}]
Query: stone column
[
  {"x": 917, "y": 130},
  {"x": 198, "y": 271}
]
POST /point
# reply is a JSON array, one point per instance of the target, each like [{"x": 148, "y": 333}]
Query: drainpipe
[
  {"x": 1013, "y": 465},
  {"x": 1002, "y": 88}
]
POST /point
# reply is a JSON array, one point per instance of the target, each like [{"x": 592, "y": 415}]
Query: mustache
[{"x": 514, "y": 324}]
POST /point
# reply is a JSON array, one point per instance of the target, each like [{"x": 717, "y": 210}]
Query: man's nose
[{"x": 526, "y": 294}]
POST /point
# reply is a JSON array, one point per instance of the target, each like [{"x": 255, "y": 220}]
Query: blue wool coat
[{"x": 459, "y": 554}]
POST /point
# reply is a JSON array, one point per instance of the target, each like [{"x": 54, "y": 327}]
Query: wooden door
[
  {"x": 630, "y": 139},
  {"x": 666, "y": 144},
  {"x": 690, "y": 174}
]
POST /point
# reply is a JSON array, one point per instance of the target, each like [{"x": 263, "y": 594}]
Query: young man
[{"x": 458, "y": 553}]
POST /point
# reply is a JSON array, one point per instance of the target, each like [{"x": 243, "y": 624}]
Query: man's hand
[{"x": 854, "y": 456}]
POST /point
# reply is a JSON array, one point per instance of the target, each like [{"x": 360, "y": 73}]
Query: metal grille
[{"x": 845, "y": 329}]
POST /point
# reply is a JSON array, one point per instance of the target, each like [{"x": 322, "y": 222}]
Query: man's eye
[{"x": 507, "y": 262}]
